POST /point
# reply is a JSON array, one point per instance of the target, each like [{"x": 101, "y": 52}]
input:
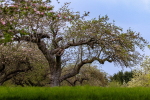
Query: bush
[{"x": 114, "y": 84}]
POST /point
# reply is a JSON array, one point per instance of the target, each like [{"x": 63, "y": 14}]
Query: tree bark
[
  {"x": 55, "y": 72},
  {"x": 55, "y": 75}
]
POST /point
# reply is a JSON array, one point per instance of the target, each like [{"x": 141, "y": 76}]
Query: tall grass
[{"x": 74, "y": 93}]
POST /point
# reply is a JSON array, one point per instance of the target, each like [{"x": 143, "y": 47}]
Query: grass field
[{"x": 74, "y": 93}]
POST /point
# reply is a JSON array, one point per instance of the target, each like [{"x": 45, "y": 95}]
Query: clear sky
[{"x": 126, "y": 13}]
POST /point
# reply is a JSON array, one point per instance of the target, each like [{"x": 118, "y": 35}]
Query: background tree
[
  {"x": 88, "y": 75},
  {"x": 141, "y": 75},
  {"x": 32, "y": 21},
  {"x": 9, "y": 69},
  {"x": 128, "y": 76},
  {"x": 23, "y": 65},
  {"x": 121, "y": 77}
]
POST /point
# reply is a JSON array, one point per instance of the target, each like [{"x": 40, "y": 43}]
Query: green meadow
[{"x": 74, "y": 93}]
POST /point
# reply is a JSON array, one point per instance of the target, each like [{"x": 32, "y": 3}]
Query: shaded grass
[{"x": 74, "y": 93}]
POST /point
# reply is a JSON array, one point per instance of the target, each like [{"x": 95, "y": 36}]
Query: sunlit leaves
[
  {"x": 111, "y": 37},
  {"x": 141, "y": 74}
]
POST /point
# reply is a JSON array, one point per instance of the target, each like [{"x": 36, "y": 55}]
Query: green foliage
[
  {"x": 109, "y": 38},
  {"x": 121, "y": 77},
  {"x": 141, "y": 75},
  {"x": 37, "y": 76},
  {"x": 92, "y": 75},
  {"x": 114, "y": 84}
]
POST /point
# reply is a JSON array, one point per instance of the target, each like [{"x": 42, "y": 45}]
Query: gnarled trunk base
[{"x": 55, "y": 75}]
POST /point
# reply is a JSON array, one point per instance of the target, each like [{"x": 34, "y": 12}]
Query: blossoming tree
[
  {"x": 83, "y": 42},
  {"x": 141, "y": 76}
]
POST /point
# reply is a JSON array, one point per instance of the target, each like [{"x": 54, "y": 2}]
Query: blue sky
[{"x": 126, "y": 13}]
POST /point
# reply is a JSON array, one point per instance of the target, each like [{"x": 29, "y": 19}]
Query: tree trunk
[
  {"x": 55, "y": 72},
  {"x": 54, "y": 63},
  {"x": 55, "y": 75}
]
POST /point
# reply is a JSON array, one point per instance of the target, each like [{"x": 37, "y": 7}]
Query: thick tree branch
[
  {"x": 17, "y": 71},
  {"x": 60, "y": 52},
  {"x": 20, "y": 70},
  {"x": 88, "y": 42},
  {"x": 74, "y": 82},
  {"x": 70, "y": 82},
  {"x": 41, "y": 44},
  {"x": 59, "y": 39},
  {"x": 78, "y": 67},
  {"x": 34, "y": 37},
  {"x": 45, "y": 51},
  {"x": 82, "y": 79},
  {"x": 34, "y": 84}
]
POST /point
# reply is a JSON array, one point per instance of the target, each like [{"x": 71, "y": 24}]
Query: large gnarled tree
[{"x": 91, "y": 40}]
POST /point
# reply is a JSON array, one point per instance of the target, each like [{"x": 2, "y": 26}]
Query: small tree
[{"x": 141, "y": 75}]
